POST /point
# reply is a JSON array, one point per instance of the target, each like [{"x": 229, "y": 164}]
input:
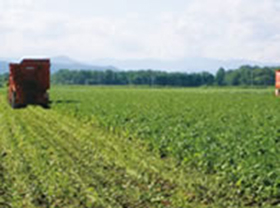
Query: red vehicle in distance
[{"x": 29, "y": 83}]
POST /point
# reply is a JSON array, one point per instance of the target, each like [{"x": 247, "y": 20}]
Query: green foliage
[
  {"x": 49, "y": 159},
  {"x": 132, "y": 78},
  {"x": 244, "y": 76},
  {"x": 3, "y": 79},
  {"x": 251, "y": 76},
  {"x": 142, "y": 147},
  {"x": 220, "y": 77},
  {"x": 229, "y": 136}
]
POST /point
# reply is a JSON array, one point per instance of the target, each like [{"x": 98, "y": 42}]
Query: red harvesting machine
[
  {"x": 29, "y": 82},
  {"x": 277, "y": 82}
]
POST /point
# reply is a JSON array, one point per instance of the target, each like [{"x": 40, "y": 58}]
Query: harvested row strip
[{"x": 51, "y": 160}]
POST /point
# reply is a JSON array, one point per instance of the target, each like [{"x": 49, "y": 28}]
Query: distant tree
[
  {"x": 207, "y": 78},
  {"x": 232, "y": 78},
  {"x": 3, "y": 79},
  {"x": 244, "y": 76},
  {"x": 220, "y": 77}
]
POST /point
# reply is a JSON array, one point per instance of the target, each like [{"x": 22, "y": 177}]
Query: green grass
[
  {"x": 142, "y": 147},
  {"x": 52, "y": 160}
]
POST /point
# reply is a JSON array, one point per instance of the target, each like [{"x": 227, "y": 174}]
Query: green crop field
[{"x": 142, "y": 147}]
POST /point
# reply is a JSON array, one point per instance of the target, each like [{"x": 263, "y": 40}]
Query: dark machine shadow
[
  {"x": 49, "y": 105},
  {"x": 54, "y": 102},
  {"x": 63, "y": 102}
]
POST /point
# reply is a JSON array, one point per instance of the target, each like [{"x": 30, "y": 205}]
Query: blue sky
[{"x": 134, "y": 29}]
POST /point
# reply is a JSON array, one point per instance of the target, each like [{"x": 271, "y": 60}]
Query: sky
[{"x": 87, "y": 30}]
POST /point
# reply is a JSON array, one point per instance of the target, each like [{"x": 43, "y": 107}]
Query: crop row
[
  {"x": 51, "y": 160},
  {"x": 231, "y": 136}
]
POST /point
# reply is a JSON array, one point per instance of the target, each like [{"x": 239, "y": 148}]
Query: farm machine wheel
[{"x": 13, "y": 101}]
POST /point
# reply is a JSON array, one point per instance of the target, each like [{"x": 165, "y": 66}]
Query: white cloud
[{"x": 225, "y": 29}]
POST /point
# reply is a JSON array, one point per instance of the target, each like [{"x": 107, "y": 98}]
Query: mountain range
[
  {"x": 61, "y": 62},
  {"x": 195, "y": 64}
]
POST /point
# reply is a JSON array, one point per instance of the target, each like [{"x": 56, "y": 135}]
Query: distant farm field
[{"x": 142, "y": 147}]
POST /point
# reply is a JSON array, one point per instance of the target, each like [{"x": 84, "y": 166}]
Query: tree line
[
  {"x": 3, "y": 79},
  {"x": 243, "y": 76}
]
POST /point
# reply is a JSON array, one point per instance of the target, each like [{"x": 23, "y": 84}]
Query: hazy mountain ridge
[
  {"x": 196, "y": 64},
  {"x": 182, "y": 65},
  {"x": 62, "y": 62}
]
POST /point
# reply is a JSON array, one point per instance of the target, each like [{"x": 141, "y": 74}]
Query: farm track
[{"x": 51, "y": 160}]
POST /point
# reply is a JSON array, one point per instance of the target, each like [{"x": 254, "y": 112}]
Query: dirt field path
[{"x": 51, "y": 160}]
